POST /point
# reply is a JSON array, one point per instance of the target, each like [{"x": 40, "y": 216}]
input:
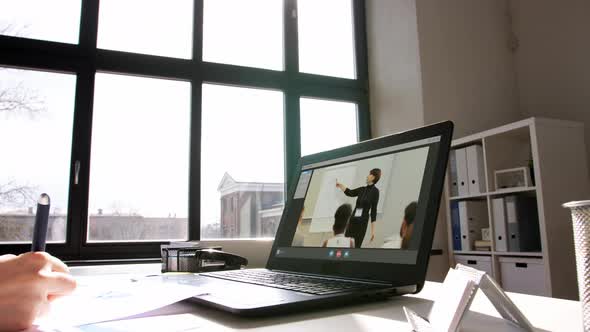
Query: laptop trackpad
[{"x": 239, "y": 295}]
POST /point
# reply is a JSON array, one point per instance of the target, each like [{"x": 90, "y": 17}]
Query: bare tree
[
  {"x": 15, "y": 194},
  {"x": 18, "y": 99}
]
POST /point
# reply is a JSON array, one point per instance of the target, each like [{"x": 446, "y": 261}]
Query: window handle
[{"x": 76, "y": 171}]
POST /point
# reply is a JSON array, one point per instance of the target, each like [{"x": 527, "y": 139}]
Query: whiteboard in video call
[{"x": 353, "y": 176}]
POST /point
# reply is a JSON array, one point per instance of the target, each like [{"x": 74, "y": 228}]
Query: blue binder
[{"x": 456, "y": 225}]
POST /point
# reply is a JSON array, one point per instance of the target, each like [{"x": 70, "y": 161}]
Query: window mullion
[{"x": 78, "y": 207}]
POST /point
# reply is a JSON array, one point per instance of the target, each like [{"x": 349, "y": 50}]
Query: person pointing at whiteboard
[{"x": 366, "y": 205}]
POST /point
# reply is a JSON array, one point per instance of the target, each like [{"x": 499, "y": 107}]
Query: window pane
[
  {"x": 139, "y": 160},
  {"x": 56, "y": 20},
  {"x": 162, "y": 28},
  {"x": 242, "y": 167},
  {"x": 244, "y": 33},
  {"x": 36, "y": 118},
  {"x": 327, "y": 125},
  {"x": 326, "y": 39}
]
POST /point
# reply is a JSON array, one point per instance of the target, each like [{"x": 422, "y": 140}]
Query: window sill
[{"x": 255, "y": 250}]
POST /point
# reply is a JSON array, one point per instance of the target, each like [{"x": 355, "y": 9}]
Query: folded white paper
[{"x": 105, "y": 298}]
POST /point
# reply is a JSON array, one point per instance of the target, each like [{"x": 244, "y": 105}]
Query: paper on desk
[
  {"x": 452, "y": 302},
  {"x": 104, "y": 298}
]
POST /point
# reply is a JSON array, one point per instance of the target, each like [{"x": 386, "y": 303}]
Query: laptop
[{"x": 358, "y": 225}]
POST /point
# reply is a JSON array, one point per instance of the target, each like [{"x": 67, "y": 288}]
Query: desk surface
[{"x": 547, "y": 314}]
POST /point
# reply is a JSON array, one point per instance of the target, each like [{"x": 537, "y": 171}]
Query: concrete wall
[{"x": 552, "y": 59}]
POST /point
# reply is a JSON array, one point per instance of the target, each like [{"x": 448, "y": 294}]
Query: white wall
[
  {"x": 467, "y": 66},
  {"x": 553, "y": 59},
  {"x": 394, "y": 66},
  {"x": 431, "y": 61}
]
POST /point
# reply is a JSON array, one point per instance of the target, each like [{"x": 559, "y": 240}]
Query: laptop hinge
[{"x": 376, "y": 282}]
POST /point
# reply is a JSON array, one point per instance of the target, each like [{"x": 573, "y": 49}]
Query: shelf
[
  {"x": 508, "y": 191},
  {"x": 500, "y": 192},
  {"x": 519, "y": 253},
  {"x": 466, "y": 197},
  {"x": 472, "y": 252},
  {"x": 537, "y": 142}
]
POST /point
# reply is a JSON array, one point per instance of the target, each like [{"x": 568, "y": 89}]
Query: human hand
[{"x": 28, "y": 283}]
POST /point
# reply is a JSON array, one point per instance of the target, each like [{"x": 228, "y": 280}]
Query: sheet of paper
[{"x": 105, "y": 298}]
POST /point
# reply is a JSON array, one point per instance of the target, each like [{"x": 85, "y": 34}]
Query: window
[
  {"x": 148, "y": 27},
  {"x": 327, "y": 125},
  {"x": 140, "y": 159},
  {"x": 36, "y": 118},
  {"x": 46, "y": 20},
  {"x": 244, "y": 33},
  {"x": 326, "y": 38},
  {"x": 172, "y": 120},
  {"x": 242, "y": 159}
]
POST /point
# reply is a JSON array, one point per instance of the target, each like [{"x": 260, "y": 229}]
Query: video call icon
[{"x": 331, "y": 253}]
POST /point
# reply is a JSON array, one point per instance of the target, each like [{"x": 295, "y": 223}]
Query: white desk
[{"x": 547, "y": 314}]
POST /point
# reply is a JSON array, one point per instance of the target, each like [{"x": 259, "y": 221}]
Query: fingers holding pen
[
  {"x": 41, "y": 260},
  {"x": 58, "y": 283}
]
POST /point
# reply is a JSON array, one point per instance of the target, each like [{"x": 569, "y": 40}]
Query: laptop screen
[{"x": 362, "y": 207}]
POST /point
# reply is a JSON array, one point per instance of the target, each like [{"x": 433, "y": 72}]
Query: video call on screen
[{"x": 368, "y": 203}]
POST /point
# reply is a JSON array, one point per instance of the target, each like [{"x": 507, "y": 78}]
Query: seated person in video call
[
  {"x": 407, "y": 227},
  {"x": 366, "y": 202},
  {"x": 340, "y": 222}
]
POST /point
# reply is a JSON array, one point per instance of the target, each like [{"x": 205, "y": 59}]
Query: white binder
[
  {"x": 453, "y": 173},
  {"x": 499, "y": 215},
  {"x": 462, "y": 176},
  {"x": 475, "y": 169},
  {"x": 473, "y": 217},
  {"x": 512, "y": 227}
]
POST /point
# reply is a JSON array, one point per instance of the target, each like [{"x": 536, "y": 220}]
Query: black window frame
[{"x": 85, "y": 60}]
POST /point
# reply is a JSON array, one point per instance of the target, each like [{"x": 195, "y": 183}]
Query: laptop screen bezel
[{"x": 394, "y": 274}]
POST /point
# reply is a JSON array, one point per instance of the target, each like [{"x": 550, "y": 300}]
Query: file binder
[
  {"x": 512, "y": 224},
  {"x": 499, "y": 217},
  {"x": 475, "y": 169},
  {"x": 456, "y": 226},
  {"x": 522, "y": 221},
  {"x": 453, "y": 173},
  {"x": 473, "y": 217},
  {"x": 462, "y": 176}
]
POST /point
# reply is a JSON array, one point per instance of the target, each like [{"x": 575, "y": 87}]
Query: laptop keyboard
[{"x": 298, "y": 283}]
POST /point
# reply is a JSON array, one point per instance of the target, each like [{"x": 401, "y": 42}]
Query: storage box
[
  {"x": 523, "y": 275},
  {"x": 482, "y": 263},
  {"x": 181, "y": 256},
  {"x": 512, "y": 178}
]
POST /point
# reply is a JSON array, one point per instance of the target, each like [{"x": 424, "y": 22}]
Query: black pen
[{"x": 41, "y": 221}]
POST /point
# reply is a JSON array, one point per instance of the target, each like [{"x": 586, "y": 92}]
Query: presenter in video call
[{"x": 366, "y": 204}]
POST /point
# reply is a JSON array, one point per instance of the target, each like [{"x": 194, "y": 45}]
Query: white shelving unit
[{"x": 558, "y": 155}]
